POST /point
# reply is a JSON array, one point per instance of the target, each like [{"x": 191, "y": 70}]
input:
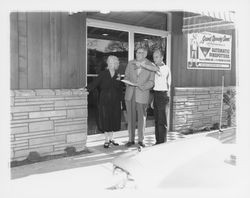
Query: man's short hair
[
  {"x": 159, "y": 51},
  {"x": 143, "y": 48}
]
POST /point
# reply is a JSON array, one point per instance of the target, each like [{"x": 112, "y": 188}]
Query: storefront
[
  {"x": 108, "y": 38},
  {"x": 53, "y": 55}
]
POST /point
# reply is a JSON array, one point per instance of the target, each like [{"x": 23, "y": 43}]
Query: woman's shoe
[
  {"x": 106, "y": 145},
  {"x": 113, "y": 142}
]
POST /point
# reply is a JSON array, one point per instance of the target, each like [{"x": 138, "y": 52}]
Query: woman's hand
[
  {"x": 118, "y": 77},
  {"x": 84, "y": 89}
]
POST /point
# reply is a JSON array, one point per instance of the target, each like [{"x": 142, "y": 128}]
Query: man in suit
[{"x": 137, "y": 97}]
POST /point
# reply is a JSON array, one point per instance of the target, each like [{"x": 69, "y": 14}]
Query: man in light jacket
[
  {"x": 161, "y": 89},
  {"x": 137, "y": 97}
]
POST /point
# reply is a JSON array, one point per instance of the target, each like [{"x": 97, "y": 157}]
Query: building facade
[{"x": 53, "y": 56}]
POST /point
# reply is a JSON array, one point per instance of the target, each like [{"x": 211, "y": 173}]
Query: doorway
[{"x": 106, "y": 38}]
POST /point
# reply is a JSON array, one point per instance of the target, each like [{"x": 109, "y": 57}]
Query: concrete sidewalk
[
  {"x": 98, "y": 155},
  {"x": 76, "y": 176},
  {"x": 87, "y": 174}
]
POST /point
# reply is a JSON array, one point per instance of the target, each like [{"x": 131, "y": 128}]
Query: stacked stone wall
[
  {"x": 194, "y": 108},
  {"x": 47, "y": 121}
]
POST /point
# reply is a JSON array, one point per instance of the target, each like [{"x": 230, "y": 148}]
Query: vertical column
[
  {"x": 14, "y": 76},
  {"x": 131, "y": 44},
  {"x": 174, "y": 26}
]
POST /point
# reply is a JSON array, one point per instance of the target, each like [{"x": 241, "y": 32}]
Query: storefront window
[
  {"x": 100, "y": 44},
  {"x": 105, "y": 42},
  {"x": 151, "y": 43}
]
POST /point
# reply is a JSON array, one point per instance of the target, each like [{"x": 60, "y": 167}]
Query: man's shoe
[
  {"x": 128, "y": 144},
  {"x": 113, "y": 142},
  {"x": 106, "y": 145},
  {"x": 141, "y": 144}
]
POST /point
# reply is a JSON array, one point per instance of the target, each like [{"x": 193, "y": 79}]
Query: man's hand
[
  {"x": 151, "y": 68},
  {"x": 158, "y": 73},
  {"x": 143, "y": 64}
]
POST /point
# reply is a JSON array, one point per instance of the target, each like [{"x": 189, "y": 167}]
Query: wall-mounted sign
[{"x": 207, "y": 50}]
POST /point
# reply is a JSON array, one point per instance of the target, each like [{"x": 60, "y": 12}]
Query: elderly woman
[{"x": 109, "y": 106}]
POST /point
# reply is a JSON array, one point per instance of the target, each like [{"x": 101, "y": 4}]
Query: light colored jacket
[{"x": 145, "y": 78}]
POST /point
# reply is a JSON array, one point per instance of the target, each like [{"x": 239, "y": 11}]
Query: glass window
[
  {"x": 151, "y": 43},
  {"x": 100, "y": 44},
  {"x": 105, "y": 42}
]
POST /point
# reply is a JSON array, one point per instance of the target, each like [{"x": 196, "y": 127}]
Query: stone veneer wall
[
  {"x": 197, "y": 107},
  {"x": 47, "y": 121}
]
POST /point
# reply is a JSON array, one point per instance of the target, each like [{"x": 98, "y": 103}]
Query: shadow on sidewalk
[{"x": 98, "y": 155}]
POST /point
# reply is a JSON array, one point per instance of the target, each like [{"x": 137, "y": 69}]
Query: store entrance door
[{"x": 104, "y": 39}]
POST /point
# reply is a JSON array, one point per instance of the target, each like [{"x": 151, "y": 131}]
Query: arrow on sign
[{"x": 205, "y": 50}]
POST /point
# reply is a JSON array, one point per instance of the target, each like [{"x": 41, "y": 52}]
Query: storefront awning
[
  {"x": 223, "y": 15},
  {"x": 199, "y": 21}
]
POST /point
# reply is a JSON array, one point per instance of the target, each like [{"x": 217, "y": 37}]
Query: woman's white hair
[{"x": 112, "y": 58}]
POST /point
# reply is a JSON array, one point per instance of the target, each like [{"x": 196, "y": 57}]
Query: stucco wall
[
  {"x": 47, "y": 121},
  {"x": 199, "y": 107}
]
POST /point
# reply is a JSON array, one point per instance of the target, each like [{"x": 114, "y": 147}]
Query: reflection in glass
[
  {"x": 151, "y": 43},
  {"x": 104, "y": 42}
]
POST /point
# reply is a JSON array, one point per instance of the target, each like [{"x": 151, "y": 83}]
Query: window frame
[{"x": 131, "y": 29}]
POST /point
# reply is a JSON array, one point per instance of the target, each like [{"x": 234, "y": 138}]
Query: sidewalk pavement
[
  {"x": 75, "y": 176},
  {"x": 72, "y": 176},
  {"x": 98, "y": 155}
]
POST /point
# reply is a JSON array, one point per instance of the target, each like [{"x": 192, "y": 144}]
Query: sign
[{"x": 207, "y": 50}]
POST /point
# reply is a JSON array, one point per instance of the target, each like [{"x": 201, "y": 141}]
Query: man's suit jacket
[{"x": 145, "y": 78}]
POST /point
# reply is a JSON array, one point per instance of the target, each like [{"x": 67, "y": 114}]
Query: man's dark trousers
[{"x": 161, "y": 101}]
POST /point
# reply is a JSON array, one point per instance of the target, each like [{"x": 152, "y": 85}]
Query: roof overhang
[{"x": 199, "y": 21}]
